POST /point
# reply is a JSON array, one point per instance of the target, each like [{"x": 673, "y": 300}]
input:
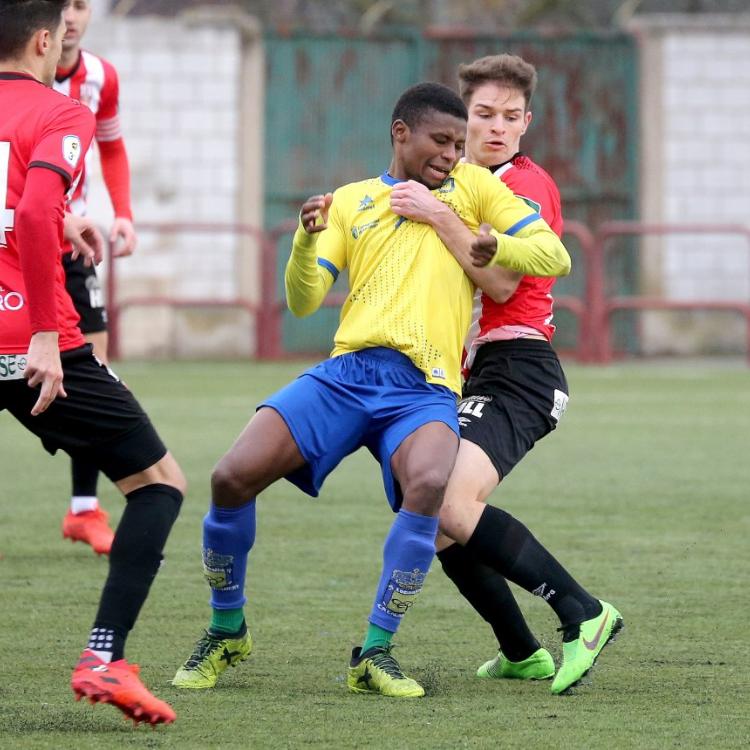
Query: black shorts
[
  {"x": 86, "y": 292},
  {"x": 100, "y": 420},
  {"x": 516, "y": 394}
]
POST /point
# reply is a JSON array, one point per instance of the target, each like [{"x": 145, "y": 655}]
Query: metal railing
[
  {"x": 593, "y": 309},
  {"x": 602, "y": 307}
]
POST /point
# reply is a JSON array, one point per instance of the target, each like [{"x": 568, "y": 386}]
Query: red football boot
[
  {"x": 92, "y": 527},
  {"x": 118, "y": 683}
]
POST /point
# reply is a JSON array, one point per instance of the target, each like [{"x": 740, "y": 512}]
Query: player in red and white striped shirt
[{"x": 93, "y": 81}]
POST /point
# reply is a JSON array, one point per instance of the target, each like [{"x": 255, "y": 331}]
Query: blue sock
[
  {"x": 228, "y": 535},
  {"x": 407, "y": 555}
]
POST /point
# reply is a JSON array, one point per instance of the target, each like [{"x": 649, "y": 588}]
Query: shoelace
[
  {"x": 388, "y": 664},
  {"x": 204, "y": 646}
]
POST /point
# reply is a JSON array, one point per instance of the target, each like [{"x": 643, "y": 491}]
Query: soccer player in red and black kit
[
  {"x": 514, "y": 394},
  {"x": 49, "y": 380},
  {"x": 93, "y": 81}
]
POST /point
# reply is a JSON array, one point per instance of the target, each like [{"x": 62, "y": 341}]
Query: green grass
[{"x": 642, "y": 492}]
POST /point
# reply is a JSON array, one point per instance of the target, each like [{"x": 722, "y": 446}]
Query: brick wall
[
  {"x": 180, "y": 109},
  {"x": 192, "y": 110},
  {"x": 695, "y": 142}
]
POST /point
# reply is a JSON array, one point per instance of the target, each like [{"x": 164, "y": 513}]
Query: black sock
[
  {"x": 85, "y": 477},
  {"x": 507, "y": 546},
  {"x": 488, "y": 592},
  {"x": 135, "y": 558}
]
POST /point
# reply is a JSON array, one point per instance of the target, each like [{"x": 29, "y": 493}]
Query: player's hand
[
  {"x": 43, "y": 367},
  {"x": 122, "y": 237},
  {"x": 85, "y": 238},
  {"x": 314, "y": 213},
  {"x": 484, "y": 247},
  {"x": 414, "y": 201}
]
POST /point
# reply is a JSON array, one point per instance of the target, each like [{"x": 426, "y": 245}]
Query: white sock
[
  {"x": 105, "y": 656},
  {"x": 100, "y": 643},
  {"x": 82, "y": 503}
]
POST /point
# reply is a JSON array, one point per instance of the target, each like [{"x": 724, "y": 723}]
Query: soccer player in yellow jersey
[{"x": 391, "y": 382}]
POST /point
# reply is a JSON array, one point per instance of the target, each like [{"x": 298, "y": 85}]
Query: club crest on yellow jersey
[{"x": 357, "y": 232}]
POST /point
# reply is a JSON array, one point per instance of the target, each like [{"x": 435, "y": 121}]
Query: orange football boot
[
  {"x": 118, "y": 683},
  {"x": 92, "y": 527}
]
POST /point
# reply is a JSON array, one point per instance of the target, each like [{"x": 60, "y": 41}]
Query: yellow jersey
[{"x": 407, "y": 291}]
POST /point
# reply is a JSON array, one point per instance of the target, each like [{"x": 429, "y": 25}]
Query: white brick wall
[
  {"x": 180, "y": 109},
  {"x": 695, "y": 138},
  {"x": 706, "y": 123}
]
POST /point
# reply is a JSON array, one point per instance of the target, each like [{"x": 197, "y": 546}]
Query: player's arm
[
  {"x": 85, "y": 238},
  {"x": 116, "y": 173},
  {"x": 38, "y": 217},
  {"x": 532, "y": 249},
  {"x": 55, "y": 164},
  {"x": 414, "y": 201},
  {"x": 114, "y": 162},
  {"x": 523, "y": 241},
  {"x": 309, "y": 276},
  {"x": 519, "y": 241}
]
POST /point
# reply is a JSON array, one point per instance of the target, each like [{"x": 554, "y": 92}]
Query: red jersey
[
  {"x": 39, "y": 128},
  {"x": 529, "y": 309},
  {"x": 93, "y": 81}
]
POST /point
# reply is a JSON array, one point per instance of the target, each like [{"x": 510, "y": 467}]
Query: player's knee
[
  {"x": 456, "y": 521},
  {"x": 144, "y": 528},
  {"x": 449, "y": 518},
  {"x": 460, "y": 502},
  {"x": 229, "y": 485},
  {"x": 171, "y": 474},
  {"x": 425, "y": 489},
  {"x": 178, "y": 480},
  {"x": 165, "y": 471}
]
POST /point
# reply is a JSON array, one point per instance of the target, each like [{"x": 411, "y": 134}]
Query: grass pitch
[{"x": 642, "y": 492}]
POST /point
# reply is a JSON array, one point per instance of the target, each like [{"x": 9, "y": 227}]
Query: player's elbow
[
  {"x": 500, "y": 296},
  {"x": 558, "y": 258},
  {"x": 300, "y": 307},
  {"x": 29, "y": 214},
  {"x": 500, "y": 291},
  {"x": 565, "y": 263},
  {"x": 299, "y": 311}
]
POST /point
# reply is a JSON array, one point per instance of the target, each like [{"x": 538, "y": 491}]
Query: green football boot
[
  {"x": 376, "y": 671},
  {"x": 538, "y": 666},
  {"x": 211, "y": 656},
  {"x": 579, "y": 654}
]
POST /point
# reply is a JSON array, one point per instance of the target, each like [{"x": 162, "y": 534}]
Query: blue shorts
[{"x": 373, "y": 398}]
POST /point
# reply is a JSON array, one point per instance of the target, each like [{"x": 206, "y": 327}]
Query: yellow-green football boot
[
  {"x": 211, "y": 656},
  {"x": 376, "y": 671},
  {"x": 538, "y": 666},
  {"x": 580, "y": 650}
]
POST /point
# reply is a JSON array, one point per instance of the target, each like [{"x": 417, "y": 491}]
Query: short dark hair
[
  {"x": 508, "y": 70},
  {"x": 21, "y": 19},
  {"x": 418, "y": 100}
]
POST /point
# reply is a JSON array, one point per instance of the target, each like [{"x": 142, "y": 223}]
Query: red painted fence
[{"x": 593, "y": 309}]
